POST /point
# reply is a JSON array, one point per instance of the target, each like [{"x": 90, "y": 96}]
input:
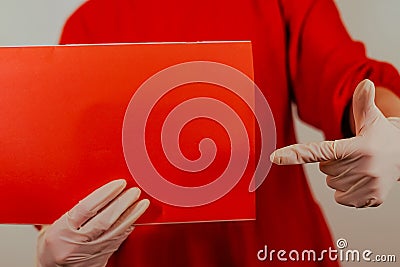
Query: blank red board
[{"x": 62, "y": 111}]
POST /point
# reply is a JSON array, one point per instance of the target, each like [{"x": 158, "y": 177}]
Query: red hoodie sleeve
[
  {"x": 75, "y": 29},
  {"x": 326, "y": 65},
  {"x": 95, "y": 22}
]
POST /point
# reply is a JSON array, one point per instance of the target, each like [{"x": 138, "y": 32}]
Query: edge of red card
[{"x": 62, "y": 111}]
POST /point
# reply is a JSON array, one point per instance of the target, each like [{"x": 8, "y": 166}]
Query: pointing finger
[{"x": 304, "y": 153}]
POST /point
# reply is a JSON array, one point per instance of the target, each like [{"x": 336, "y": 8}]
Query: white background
[{"x": 24, "y": 22}]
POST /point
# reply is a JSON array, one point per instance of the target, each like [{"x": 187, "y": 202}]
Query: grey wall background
[{"x": 376, "y": 23}]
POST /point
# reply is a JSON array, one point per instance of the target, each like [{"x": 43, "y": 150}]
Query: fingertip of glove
[
  {"x": 272, "y": 157},
  {"x": 145, "y": 203},
  {"x": 364, "y": 90},
  {"x": 276, "y": 158},
  {"x": 137, "y": 210},
  {"x": 132, "y": 194},
  {"x": 111, "y": 190},
  {"x": 118, "y": 183},
  {"x": 114, "y": 187},
  {"x": 367, "y": 83}
]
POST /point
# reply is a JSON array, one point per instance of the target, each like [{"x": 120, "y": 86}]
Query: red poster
[{"x": 174, "y": 119}]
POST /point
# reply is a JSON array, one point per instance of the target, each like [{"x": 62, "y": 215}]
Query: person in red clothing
[{"x": 303, "y": 55}]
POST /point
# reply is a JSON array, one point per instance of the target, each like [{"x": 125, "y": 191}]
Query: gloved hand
[
  {"x": 90, "y": 232},
  {"x": 361, "y": 169}
]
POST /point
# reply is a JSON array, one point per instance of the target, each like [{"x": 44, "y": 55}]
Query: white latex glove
[
  {"x": 361, "y": 169},
  {"x": 88, "y": 234}
]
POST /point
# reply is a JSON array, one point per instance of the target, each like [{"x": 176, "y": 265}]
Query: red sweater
[{"x": 302, "y": 54}]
